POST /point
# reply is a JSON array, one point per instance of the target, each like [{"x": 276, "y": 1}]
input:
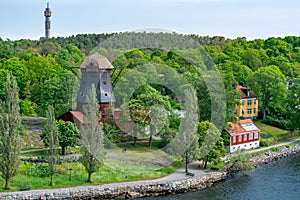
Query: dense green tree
[
  {"x": 10, "y": 129},
  {"x": 40, "y": 69},
  {"x": 170, "y": 129},
  {"x": 241, "y": 72},
  {"x": 151, "y": 97},
  {"x": 210, "y": 141},
  {"x": 59, "y": 91},
  {"x": 68, "y": 135},
  {"x": 6, "y": 49},
  {"x": 293, "y": 106},
  {"x": 69, "y": 56},
  {"x": 269, "y": 84},
  {"x": 254, "y": 58},
  {"x": 19, "y": 71},
  {"x": 276, "y": 47},
  {"x": 200, "y": 86},
  {"x": 140, "y": 118}
]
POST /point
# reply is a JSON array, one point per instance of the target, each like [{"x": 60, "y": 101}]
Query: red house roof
[
  {"x": 242, "y": 126},
  {"x": 245, "y": 92},
  {"x": 72, "y": 116}
]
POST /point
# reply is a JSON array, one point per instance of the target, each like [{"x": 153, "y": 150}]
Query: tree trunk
[
  {"x": 134, "y": 140},
  {"x": 89, "y": 177},
  {"x": 205, "y": 162},
  {"x": 63, "y": 150},
  {"x": 186, "y": 163},
  {"x": 51, "y": 179},
  {"x": 264, "y": 112},
  {"x": 152, "y": 130},
  {"x": 150, "y": 141},
  {"x": 7, "y": 183}
]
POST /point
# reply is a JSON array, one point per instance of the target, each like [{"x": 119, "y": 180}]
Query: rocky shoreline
[
  {"x": 133, "y": 190},
  {"x": 271, "y": 156}
]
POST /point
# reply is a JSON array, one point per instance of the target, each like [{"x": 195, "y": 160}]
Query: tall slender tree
[
  {"x": 92, "y": 136},
  {"x": 10, "y": 129},
  {"x": 51, "y": 136}
]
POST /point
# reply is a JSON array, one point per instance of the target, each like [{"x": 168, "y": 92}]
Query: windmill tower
[
  {"x": 47, "y": 14},
  {"x": 96, "y": 69}
]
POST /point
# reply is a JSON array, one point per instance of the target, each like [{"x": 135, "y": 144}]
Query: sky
[{"x": 24, "y": 19}]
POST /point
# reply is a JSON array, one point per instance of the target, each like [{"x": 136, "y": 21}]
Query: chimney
[
  {"x": 248, "y": 92},
  {"x": 242, "y": 84},
  {"x": 237, "y": 120}
]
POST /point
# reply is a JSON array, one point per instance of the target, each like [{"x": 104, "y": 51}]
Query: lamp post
[{"x": 70, "y": 177}]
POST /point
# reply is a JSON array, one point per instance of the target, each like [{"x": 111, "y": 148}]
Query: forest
[{"x": 47, "y": 69}]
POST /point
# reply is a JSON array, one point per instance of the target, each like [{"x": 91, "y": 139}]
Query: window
[
  {"x": 254, "y": 101},
  {"x": 245, "y": 137},
  {"x": 250, "y": 136},
  {"x": 249, "y": 102},
  {"x": 240, "y": 138},
  {"x": 255, "y": 135},
  {"x": 233, "y": 139},
  {"x": 254, "y": 110},
  {"x": 249, "y": 111}
]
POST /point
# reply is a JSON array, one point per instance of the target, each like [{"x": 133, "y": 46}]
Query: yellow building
[{"x": 247, "y": 104}]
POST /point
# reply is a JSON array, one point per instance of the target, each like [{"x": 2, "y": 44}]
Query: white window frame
[
  {"x": 240, "y": 138},
  {"x": 255, "y": 135},
  {"x": 249, "y": 102},
  {"x": 245, "y": 137},
  {"x": 233, "y": 139},
  {"x": 249, "y": 111},
  {"x": 250, "y": 136}
]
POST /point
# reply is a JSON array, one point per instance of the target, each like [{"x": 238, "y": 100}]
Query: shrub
[
  {"x": 38, "y": 171},
  {"x": 279, "y": 123},
  {"x": 266, "y": 142}
]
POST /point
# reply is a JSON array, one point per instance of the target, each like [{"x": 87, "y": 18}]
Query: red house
[
  {"x": 72, "y": 116},
  {"x": 244, "y": 134}
]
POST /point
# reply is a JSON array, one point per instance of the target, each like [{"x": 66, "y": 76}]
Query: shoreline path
[{"x": 175, "y": 176}]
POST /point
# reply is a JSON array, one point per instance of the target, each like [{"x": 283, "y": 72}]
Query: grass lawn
[
  {"x": 137, "y": 163},
  {"x": 269, "y": 131}
]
